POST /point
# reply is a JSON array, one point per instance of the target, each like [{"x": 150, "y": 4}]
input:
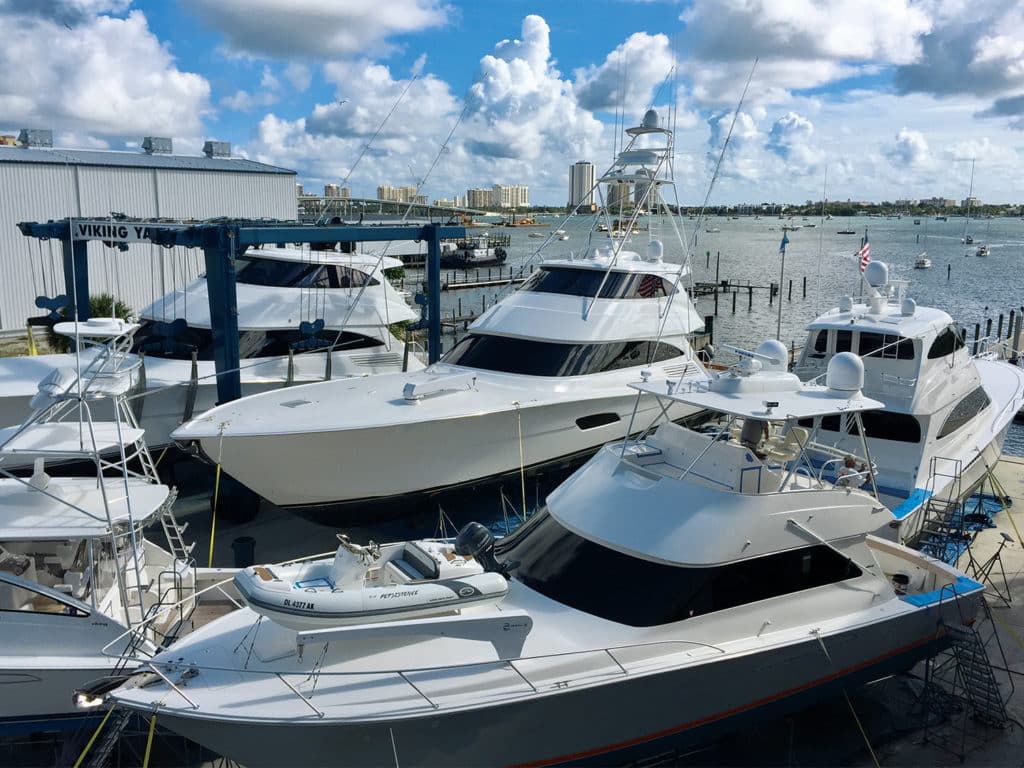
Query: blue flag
[{"x": 784, "y": 243}]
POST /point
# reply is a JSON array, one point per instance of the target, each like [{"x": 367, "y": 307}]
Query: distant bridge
[{"x": 350, "y": 209}]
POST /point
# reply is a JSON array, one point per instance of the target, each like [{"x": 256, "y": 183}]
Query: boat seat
[{"x": 415, "y": 564}]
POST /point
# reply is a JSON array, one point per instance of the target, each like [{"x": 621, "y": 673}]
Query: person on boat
[{"x": 850, "y": 473}]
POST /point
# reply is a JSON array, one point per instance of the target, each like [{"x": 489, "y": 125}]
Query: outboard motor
[{"x": 476, "y": 541}]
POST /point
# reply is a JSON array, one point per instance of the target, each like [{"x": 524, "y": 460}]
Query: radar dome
[
  {"x": 776, "y": 350},
  {"x": 877, "y": 274},
  {"x": 651, "y": 119},
  {"x": 908, "y": 307},
  {"x": 845, "y": 303},
  {"x": 655, "y": 250},
  {"x": 845, "y": 373}
]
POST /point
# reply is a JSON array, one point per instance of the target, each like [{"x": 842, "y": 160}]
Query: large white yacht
[
  {"x": 282, "y": 293},
  {"x": 76, "y": 570},
  {"x": 946, "y": 411},
  {"x": 672, "y": 587},
  {"x": 541, "y": 377}
]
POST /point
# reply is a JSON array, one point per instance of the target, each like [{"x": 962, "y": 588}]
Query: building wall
[{"x": 40, "y": 192}]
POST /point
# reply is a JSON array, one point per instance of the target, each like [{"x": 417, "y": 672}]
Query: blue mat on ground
[{"x": 974, "y": 515}]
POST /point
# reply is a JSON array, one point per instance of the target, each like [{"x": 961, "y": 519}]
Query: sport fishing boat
[
  {"x": 293, "y": 305},
  {"x": 751, "y": 580},
  {"x": 76, "y": 570},
  {"x": 541, "y": 378},
  {"x": 946, "y": 411}
]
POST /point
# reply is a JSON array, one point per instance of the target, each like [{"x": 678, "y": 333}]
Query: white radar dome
[
  {"x": 655, "y": 250},
  {"x": 908, "y": 307},
  {"x": 845, "y": 303},
  {"x": 776, "y": 350},
  {"x": 877, "y": 274},
  {"x": 651, "y": 119},
  {"x": 845, "y": 373}
]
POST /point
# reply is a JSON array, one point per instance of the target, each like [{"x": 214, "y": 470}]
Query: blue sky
[{"x": 886, "y": 93}]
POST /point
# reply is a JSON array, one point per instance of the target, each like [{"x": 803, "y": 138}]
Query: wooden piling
[
  {"x": 734, "y": 302},
  {"x": 805, "y": 287},
  {"x": 999, "y": 328},
  {"x": 750, "y": 297},
  {"x": 790, "y": 298}
]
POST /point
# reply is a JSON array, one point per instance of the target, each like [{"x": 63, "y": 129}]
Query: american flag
[{"x": 864, "y": 253}]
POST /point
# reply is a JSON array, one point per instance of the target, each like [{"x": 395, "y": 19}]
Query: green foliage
[{"x": 100, "y": 305}]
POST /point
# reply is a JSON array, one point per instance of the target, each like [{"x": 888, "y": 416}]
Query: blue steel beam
[
  {"x": 223, "y": 241},
  {"x": 223, "y": 300}
]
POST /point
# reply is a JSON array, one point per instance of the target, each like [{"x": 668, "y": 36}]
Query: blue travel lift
[{"x": 222, "y": 242}]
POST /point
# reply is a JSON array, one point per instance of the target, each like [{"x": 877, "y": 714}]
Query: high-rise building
[
  {"x": 398, "y": 194},
  {"x": 581, "y": 185},
  {"x": 332, "y": 190},
  {"x": 645, "y": 193},
  {"x": 298, "y": 190},
  {"x": 619, "y": 195},
  {"x": 510, "y": 196},
  {"x": 478, "y": 198}
]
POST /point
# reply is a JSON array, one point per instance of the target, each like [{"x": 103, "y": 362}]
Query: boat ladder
[
  {"x": 175, "y": 533},
  {"x": 942, "y": 534},
  {"x": 97, "y": 754},
  {"x": 961, "y": 685}
]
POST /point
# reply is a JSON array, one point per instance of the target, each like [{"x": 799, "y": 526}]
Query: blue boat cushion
[{"x": 417, "y": 564}]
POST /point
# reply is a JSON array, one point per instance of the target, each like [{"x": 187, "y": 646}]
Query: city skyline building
[{"x": 581, "y": 184}]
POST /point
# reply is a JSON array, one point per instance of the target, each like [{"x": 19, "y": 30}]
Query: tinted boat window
[
  {"x": 820, "y": 344},
  {"x": 250, "y": 343},
  {"x": 946, "y": 343},
  {"x": 964, "y": 411},
  {"x": 585, "y": 282},
  {"x": 590, "y": 577},
  {"x": 298, "y": 274},
  {"x": 885, "y": 346},
  {"x": 545, "y": 358},
  {"x": 900, "y": 427},
  {"x": 844, "y": 341}
]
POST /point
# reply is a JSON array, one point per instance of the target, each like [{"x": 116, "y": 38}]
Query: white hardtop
[
  {"x": 602, "y": 256},
  {"x": 890, "y": 320},
  {"x": 767, "y": 395},
  {"x": 73, "y": 507},
  {"x": 364, "y": 262},
  {"x": 270, "y": 307}
]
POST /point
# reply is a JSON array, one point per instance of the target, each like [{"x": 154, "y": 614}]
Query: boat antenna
[
  {"x": 821, "y": 244},
  {"x": 721, "y": 156},
  {"x": 366, "y": 147}
]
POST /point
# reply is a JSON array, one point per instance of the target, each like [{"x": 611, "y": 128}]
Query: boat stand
[{"x": 962, "y": 700}]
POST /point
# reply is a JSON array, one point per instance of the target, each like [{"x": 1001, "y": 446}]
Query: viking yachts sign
[{"x": 113, "y": 231}]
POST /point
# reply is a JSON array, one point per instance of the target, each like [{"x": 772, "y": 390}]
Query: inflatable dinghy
[{"x": 361, "y": 584}]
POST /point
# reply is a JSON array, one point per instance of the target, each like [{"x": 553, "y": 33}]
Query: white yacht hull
[
  {"x": 617, "y": 719},
  {"x": 377, "y": 462},
  {"x": 38, "y": 696},
  {"x": 166, "y": 404}
]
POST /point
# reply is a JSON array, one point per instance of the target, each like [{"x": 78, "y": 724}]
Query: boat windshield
[
  {"x": 299, "y": 274},
  {"x": 585, "y": 282},
  {"x": 595, "y": 579},
  {"x": 164, "y": 340},
  {"x": 548, "y": 358}
]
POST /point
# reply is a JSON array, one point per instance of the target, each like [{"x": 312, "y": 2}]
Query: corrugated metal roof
[{"x": 133, "y": 160}]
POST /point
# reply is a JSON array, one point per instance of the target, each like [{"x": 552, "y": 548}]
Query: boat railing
[{"x": 613, "y": 665}]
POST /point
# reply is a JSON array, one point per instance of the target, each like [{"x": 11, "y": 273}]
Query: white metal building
[{"x": 42, "y": 183}]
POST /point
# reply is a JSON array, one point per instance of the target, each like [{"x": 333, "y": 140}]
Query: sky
[{"x": 862, "y": 99}]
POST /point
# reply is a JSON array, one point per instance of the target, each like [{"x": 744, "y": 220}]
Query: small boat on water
[
  {"x": 982, "y": 250},
  {"x": 922, "y": 262},
  {"x": 537, "y": 234},
  {"x": 370, "y": 583},
  {"x": 846, "y": 232},
  {"x": 940, "y": 218},
  {"x": 482, "y": 251}
]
